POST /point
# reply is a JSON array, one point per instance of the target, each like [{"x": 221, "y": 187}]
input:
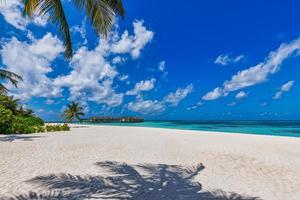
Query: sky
[{"x": 205, "y": 60}]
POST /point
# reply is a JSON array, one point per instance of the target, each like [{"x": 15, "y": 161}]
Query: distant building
[{"x": 107, "y": 119}]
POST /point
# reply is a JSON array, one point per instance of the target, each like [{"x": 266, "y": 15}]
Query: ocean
[{"x": 274, "y": 128}]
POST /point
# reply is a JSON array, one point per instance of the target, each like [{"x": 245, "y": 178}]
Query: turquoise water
[{"x": 275, "y": 128}]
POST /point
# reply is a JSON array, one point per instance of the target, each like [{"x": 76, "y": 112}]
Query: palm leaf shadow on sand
[
  {"x": 12, "y": 138},
  {"x": 132, "y": 182}
]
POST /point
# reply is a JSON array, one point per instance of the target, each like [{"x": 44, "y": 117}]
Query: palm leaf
[
  {"x": 101, "y": 14},
  {"x": 56, "y": 15},
  {"x": 73, "y": 110},
  {"x": 11, "y": 77}
]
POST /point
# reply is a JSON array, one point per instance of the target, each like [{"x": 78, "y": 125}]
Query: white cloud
[
  {"x": 49, "y": 101},
  {"x": 123, "y": 77},
  {"x": 155, "y": 106},
  {"x": 284, "y": 88},
  {"x": 133, "y": 44},
  {"x": 41, "y": 110},
  {"x": 278, "y": 95},
  {"x": 231, "y": 104},
  {"x": 162, "y": 66},
  {"x": 92, "y": 77},
  {"x": 145, "y": 85},
  {"x": 196, "y": 106},
  {"x": 226, "y": 59},
  {"x": 92, "y": 74},
  {"x": 263, "y": 104},
  {"x": 118, "y": 59},
  {"x": 12, "y": 12},
  {"x": 81, "y": 30},
  {"x": 179, "y": 95},
  {"x": 215, "y": 94},
  {"x": 146, "y": 106},
  {"x": 258, "y": 73},
  {"x": 241, "y": 95},
  {"x": 32, "y": 61}
]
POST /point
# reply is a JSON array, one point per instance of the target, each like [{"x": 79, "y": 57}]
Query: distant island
[{"x": 107, "y": 119}]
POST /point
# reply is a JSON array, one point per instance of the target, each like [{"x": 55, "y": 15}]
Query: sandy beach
[{"x": 94, "y": 162}]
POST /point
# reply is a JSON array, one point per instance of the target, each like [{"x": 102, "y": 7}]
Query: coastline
[
  {"x": 274, "y": 128},
  {"x": 250, "y": 165},
  {"x": 176, "y": 129}
]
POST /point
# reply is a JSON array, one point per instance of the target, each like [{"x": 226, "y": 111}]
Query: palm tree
[
  {"x": 24, "y": 112},
  {"x": 11, "y": 77},
  {"x": 73, "y": 110},
  {"x": 101, "y": 14},
  {"x": 9, "y": 103}
]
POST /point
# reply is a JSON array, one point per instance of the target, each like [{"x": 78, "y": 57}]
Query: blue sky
[{"x": 202, "y": 60}]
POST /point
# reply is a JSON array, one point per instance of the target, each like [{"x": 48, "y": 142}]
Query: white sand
[{"x": 267, "y": 167}]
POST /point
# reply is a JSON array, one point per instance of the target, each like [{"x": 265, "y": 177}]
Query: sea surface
[{"x": 274, "y": 128}]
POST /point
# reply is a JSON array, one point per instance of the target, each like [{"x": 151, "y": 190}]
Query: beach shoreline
[{"x": 250, "y": 165}]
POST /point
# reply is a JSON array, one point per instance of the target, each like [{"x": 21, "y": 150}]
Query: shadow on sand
[
  {"x": 12, "y": 138},
  {"x": 132, "y": 182}
]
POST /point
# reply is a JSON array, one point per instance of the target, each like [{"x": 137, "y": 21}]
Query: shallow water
[{"x": 275, "y": 128}]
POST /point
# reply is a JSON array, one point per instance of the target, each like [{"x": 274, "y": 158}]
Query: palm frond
[
  {"x": 101, "y": 13},
  {"x": 56, "y": 15},
  {"x": 73, "y": 110},
  {"x": 3, "y": 89},
  {"x": 11, "y": 77},
  {"x": 117, "y": 7}
]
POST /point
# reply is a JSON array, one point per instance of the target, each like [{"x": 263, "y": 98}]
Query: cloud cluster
[
  {"x": 196, "y": 106},
  {"x": 154, "y": 106},
  {"x": 226, "y": 59},
  {"x": 284, "y": 88},
  {"x": 92, "y": 74},
  {"x": 33, "y": 62},
  {"x": 12, "y": 13},
  {"x": 81, "y": 30},
  {"x": 241, "y": 95},
  {"x": 175, "y": 97},
  {"x": 146, "y": 106},
  {"x": 133, "y": 44},
  {"x": 258, "y": 73},
  {"x": 145, "y": 85},
  {"x": 91, "y": 78}
]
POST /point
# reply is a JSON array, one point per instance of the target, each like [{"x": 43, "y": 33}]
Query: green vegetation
[
  {"x": 5, "y": 119},
  {"x": 14, "y": 119},
  {"x": 101, "y": 14},
  {"x": 52, "y": 128},
  {"x": 73, "y": 111}
]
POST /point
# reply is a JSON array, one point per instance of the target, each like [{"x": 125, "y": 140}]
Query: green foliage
[
  {"x": 9, "y": 103},
  {"x": 100, "y": 13},
  {"x": 65, "y": 127},
  {"x": 14, "y": 119},
  {"x": 56, "y": 128},
  {"x": 5, "y": 119},
  {"x": 26, "y": 125},
  {"x": 11, "y": 77},
  {"x": 73, "y": 111}
]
